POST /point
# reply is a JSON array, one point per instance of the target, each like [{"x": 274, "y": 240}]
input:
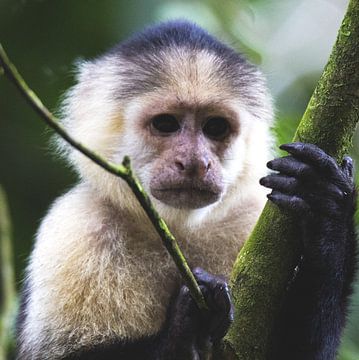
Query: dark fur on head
[{"x": 146, "y": 52}]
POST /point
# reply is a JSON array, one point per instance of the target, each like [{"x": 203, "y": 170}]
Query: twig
[{"x": 121, "y": 170}]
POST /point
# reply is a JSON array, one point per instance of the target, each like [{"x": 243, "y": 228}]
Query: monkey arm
[
  {"x": 311, "y": 184},
  {"x": 314, "y": 315}
]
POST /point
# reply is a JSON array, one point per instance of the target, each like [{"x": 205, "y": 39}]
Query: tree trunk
[{"x": 265, "y": 263}]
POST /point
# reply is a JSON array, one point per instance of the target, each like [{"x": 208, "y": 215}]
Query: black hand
[
  {"x": 217, "y": 295},
  {"x": 310, "y": 182},
  {"x": 190, "y": 332}
]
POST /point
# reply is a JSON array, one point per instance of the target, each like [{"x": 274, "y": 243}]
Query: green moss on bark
[{"x": 262, "y": 269}]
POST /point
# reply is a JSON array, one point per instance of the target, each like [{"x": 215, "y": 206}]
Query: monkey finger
[
  {"x": 313, "y": 155},
  {"x": 289, "y": 202},
  {"x": 286, "y": 184},
  {"x": 218, "y": 294},
  {"x": 330, "y": 190},
  {"x": 293, "y": 186},
  {"x": 205, "y": 278},
  {"x": 221, "y": 312},
  {"x": 290, "y": 166},
  {"x": 324, "y": 164},
  {"x": 222, "y": 299}
]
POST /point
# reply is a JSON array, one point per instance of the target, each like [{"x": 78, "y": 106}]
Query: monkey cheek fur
[{"x": 187, "y": 198}]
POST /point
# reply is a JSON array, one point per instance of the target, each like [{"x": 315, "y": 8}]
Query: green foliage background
[{"x": 45, "y": 38}]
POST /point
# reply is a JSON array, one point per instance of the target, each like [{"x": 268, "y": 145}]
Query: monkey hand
[
  {"x": 312, "y": 184},
  {"x": 216, "y": 322},
  {"x": 192, "y": 331}
]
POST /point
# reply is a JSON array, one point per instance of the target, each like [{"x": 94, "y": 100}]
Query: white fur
[{"x": 98, "y": 270}]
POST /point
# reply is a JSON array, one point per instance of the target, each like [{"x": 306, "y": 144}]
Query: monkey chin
[{"x": 186, "y": 197}]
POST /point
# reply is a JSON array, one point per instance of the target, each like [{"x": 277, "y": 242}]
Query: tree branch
[
  {"x": 122, "y": 170},
  {"x": 265, "y": 263}
]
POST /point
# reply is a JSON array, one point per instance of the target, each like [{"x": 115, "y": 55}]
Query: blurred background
[{"x": 290, "y": 40}]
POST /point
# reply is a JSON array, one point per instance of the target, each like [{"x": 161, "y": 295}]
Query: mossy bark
[{"x": 264, "y": 265}]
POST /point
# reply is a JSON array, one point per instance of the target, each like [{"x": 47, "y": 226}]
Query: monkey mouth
[{"x": 186, "y": 197}]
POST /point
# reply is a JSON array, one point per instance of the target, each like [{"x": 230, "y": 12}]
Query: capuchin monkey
[{"x": 194, "y": 116}]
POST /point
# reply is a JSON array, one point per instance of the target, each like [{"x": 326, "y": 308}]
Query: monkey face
[
  {"x": 187, "y": 174},
  {"x": 189, "y": 144},
  {"x": 196, "y": 127}
]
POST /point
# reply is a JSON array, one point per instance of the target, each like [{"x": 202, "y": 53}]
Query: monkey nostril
[
  {"x": 203, "y": 168},
  {"x": 179, "y": 165}
]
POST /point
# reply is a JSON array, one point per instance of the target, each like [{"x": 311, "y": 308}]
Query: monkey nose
[{"x": 193, "y": 167}]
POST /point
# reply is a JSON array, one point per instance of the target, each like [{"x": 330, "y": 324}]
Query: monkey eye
[
  {"x": 165, "y": 123},
  {"x": 216, "y": 128}
]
